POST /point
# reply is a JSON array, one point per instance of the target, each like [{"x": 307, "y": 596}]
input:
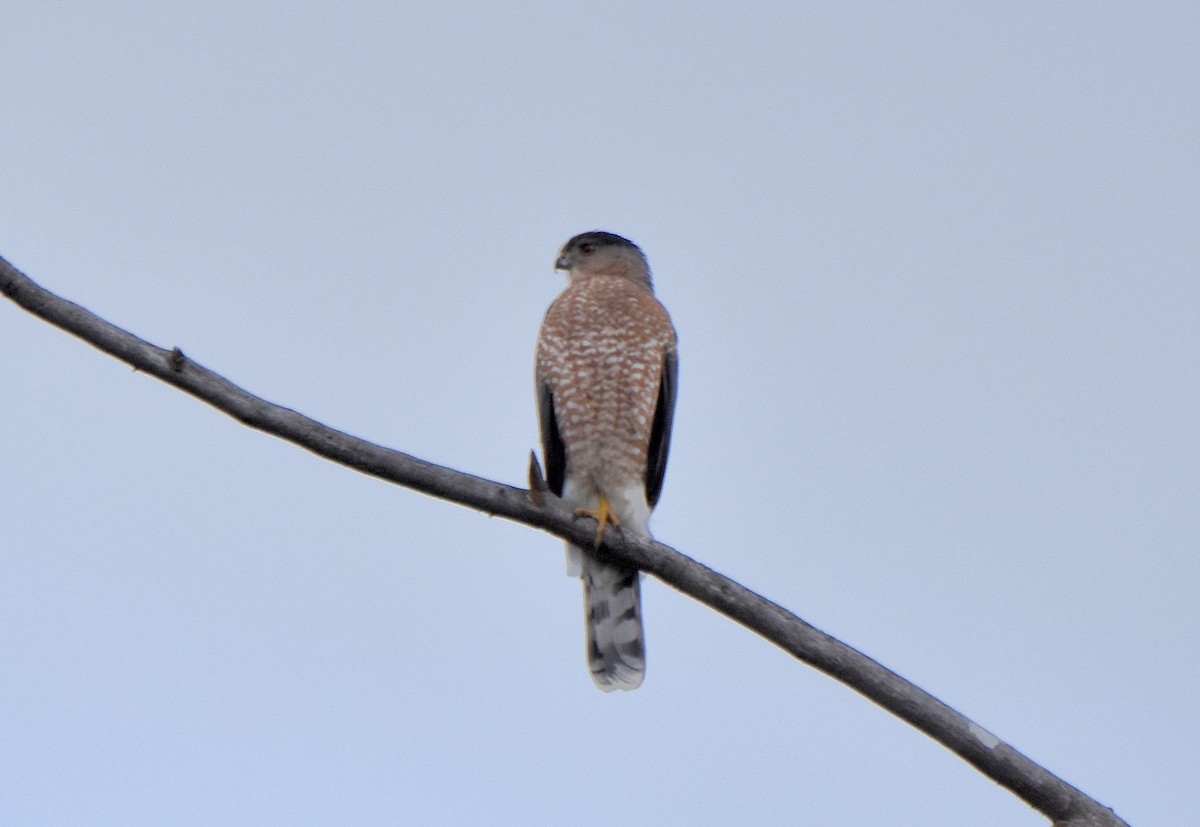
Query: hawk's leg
[{"x": 602, "y": 514}]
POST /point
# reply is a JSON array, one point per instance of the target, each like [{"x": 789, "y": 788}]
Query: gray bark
[{"x": 1062, "y": 803}]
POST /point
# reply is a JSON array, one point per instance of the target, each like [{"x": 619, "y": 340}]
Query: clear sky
[{"x": 934, "y": 271}]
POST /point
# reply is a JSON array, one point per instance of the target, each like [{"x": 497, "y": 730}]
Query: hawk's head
[{"x": 601, "y": 253}]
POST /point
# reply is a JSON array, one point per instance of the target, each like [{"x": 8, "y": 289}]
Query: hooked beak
[{"x": 561, "y": 263}]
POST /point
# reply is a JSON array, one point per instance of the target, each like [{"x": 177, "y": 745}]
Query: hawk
[{"x": 606, "y": 371}]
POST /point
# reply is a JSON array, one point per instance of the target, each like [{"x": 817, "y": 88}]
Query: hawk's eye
[{"x": 587, "y": 248}]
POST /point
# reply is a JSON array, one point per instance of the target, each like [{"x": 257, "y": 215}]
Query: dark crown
[{"x": 600, "y": 239}]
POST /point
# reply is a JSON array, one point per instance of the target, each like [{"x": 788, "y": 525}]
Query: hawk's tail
[{"x": 612, "y": 606}]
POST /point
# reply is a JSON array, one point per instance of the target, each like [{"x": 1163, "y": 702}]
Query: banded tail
[{"x": 612, "y": 606}]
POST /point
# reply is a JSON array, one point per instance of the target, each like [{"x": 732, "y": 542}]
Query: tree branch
[{"x": 1065, "y": 805}]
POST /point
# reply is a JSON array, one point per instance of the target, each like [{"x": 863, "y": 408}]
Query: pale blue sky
[{"x": 934, "y": 271}]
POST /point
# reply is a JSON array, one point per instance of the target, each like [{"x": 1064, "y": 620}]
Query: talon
[{"x": 602, "y": 514}]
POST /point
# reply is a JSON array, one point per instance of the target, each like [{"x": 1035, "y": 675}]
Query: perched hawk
[{"x": 606, "y": 371}]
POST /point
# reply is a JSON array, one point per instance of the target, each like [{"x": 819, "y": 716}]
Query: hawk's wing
[
  {"x": 553, "y": 451},
  {"x": 660, "y": 430}
]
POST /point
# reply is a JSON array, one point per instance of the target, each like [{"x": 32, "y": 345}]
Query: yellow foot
[{"x": 602, "y": 514}]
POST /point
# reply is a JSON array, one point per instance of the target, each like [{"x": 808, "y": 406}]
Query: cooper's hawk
[{"x": 606, "y": 370}]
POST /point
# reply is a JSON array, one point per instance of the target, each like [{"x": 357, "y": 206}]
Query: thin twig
[{"x": 1065, "y": 805}]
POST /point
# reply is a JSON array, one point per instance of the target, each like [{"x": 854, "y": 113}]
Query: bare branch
[{"x": 1065, "y": 805}]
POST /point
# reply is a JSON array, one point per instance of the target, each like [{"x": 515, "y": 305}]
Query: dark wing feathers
[
  {"x": 553, "y": 451},
  {"x": 660, "y": 430}
]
